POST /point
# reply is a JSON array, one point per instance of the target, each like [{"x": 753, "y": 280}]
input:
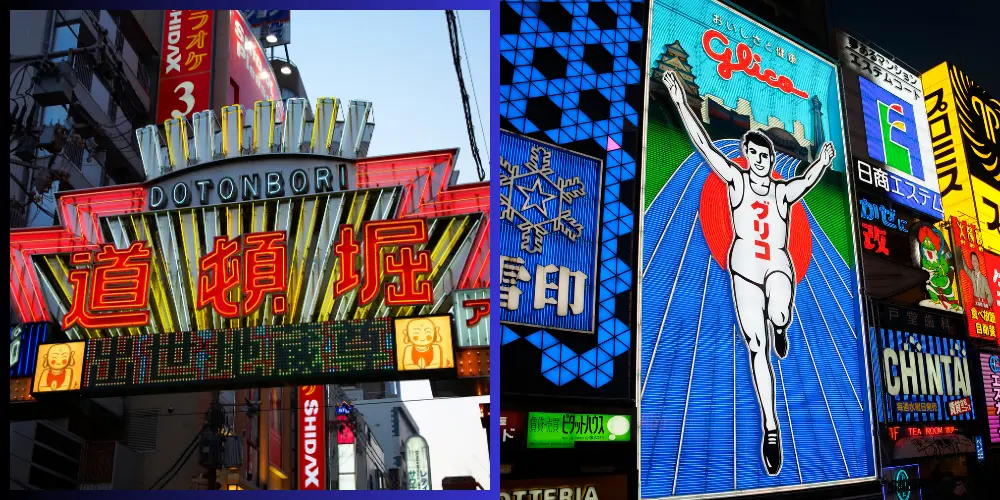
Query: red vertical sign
[
  {"x": 312, "y": 438},
  {"x": 974, "y": 278},
  {"x": 250, "y": 76},
  {"x": 274, "y": 429},
  {"x": 186, "y": 63},
  {"x": 993, "y": 264}
]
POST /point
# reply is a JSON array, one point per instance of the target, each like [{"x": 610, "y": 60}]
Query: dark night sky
[{"x": 923, "y": 33}]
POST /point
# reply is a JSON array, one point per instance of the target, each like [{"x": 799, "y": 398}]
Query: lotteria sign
[
  {"x": 923, "y": 378},
  {"x": 594, "y": 487},
  {"x": 312, "y": 437}
]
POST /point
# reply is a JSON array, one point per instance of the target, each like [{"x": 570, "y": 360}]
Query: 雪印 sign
[
  {"x": 921, "y": 377},
  {"x": 564, "y": 430},
  {"x": 990, "y": 364}
]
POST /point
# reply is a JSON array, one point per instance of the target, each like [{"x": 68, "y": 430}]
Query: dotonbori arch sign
[{"x": 267, "y": 253}]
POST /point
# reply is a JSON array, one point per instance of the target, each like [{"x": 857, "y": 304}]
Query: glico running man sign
[{"x": 752, "y": 366}]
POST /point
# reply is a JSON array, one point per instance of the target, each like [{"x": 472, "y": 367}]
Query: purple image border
[{"x": 494, "y": 7}]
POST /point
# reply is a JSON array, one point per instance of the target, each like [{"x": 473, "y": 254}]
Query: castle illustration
[{"x": 723, "y": 121}]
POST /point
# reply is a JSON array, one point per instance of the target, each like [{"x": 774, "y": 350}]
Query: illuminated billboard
[
  {"x": 888, "y": 128},
  {"x": 186, "y": 65},
  {"x": 749, "y": 298},
  {"x": 269, "y": 262},
  {"x": 574, "y": 89},
  {"x": 974, "y": 273},
  {"x": 920, "y": 377},
  {"x": 965, "y": 124},
  {"x": 990, "y": 366},
  {"x": 251, "y": 78},
  {"x": 550, "y": 221},
  {"x": 312, "y": 437}
]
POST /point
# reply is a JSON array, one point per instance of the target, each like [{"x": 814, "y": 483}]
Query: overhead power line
[{"x": 456, "y": 55}]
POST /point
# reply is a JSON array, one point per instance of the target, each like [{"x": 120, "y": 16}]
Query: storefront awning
[{"x": 930, "y": 446}]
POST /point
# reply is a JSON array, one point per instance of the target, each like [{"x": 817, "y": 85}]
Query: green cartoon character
[{"x": 931, "y": 253}]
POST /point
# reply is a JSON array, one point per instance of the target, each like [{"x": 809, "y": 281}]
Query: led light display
[
  {"x": 974, "y": 273},
  {"x": 576, "y": 83},
  {"x": 920, "y": 378},
  {"x": 424, "y": 343},
  {"x": 564, "y": 430},
  {"x": 888, "y": 125},
  {"x": 473, "y": 362},
  {"x": 964, "y": 120},
  {"x": 990, "y": 369},
  {"x": 752, "y": 370},
  {"x": 549, "y": 225},
  {"x": 238, "y": 357}
]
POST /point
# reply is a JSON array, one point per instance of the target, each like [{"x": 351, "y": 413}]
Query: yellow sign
[
  {"x": 424, "y": 343},
  {"x": 965, "y": 125},
  {"x": 59, "y": 367}
]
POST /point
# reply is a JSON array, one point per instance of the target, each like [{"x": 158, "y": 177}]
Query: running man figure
[{"x": 763, "y": 275}]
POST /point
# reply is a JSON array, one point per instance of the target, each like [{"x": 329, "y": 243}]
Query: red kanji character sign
[
  {"x": 406, "y": 262},
  {"x": 260, "y": 269},
  {"x": 114, "y": 291}
]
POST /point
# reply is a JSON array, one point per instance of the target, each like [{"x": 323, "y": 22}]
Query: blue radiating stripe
[{"x": 707, "y": 462}]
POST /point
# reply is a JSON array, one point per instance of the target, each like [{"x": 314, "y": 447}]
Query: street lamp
[
  {"x": 286, "y": 70},
  {"x": 271, "y": 39}
]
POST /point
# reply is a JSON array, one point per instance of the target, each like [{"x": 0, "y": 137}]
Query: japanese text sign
[
  {"x": 990, "y": 367},
  {"x": 513, "y": 428},
  {"x": 974, "y": 276},
  {"x": 965, "y": 127},
  {"x": 240, "y": 357},
  {"x": 890, "y": 125},
  {"x": 748, "y": 255},
  {"x": 240, "y": 276},
  {"x": 425, "y": 343},
  {"x": 550, "y": 225},
  {"x": 564, "y": 430},
  {"x": 249, "y": 70},
  {"x": 186, "y": 65},
  {"x": 472, "y": 317},
  {"x": 884, "y": 230},
  {"x": 418, "y": 466},
  {"x": 921, "y": 377}
]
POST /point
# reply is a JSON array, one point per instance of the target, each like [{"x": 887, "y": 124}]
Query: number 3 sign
[{"x": 186, "y": 66}]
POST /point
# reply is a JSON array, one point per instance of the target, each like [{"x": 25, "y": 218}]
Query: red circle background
[{"x": 717, "y": 225}]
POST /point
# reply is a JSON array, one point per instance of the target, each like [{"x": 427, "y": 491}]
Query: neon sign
[
  {"x": 746, "y": 62},
  {"x": 898, "y": 432}
]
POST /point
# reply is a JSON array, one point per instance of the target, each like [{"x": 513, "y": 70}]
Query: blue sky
[{"x": 400, "y": 61}]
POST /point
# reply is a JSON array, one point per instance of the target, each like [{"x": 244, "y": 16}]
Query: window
[
  {"x": 65, "y": 37},
  {"x": 54, "y": 115}
]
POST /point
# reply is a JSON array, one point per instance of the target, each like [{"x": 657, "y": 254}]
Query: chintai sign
[{"x": 287, "y": 263}]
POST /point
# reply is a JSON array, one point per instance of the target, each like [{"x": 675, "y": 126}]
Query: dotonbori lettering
[
  {"x": 246, "y": 187},
  {"x": 567, "y": 493},
  {"x": 925, "y": 374}
]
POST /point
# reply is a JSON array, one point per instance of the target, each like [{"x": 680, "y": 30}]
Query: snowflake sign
[{"x": 538, "y": 201}]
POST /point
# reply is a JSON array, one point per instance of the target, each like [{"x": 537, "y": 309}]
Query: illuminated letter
[
  {"x": 933, "y": 375},
  {"x": 156, "y": 198},
  {"x": 347, "y": 250},
  {"x": 946, "y": 369},
  {"x": 120, "y": 288},
  {"x": 381, "y": 234},
  {"x": 220, "y": 273},
  {"x": 961, "y": 366},
  {"x": 265, "y": 264},
  {"x": 908, "y": 372},
  {"x": 891, "y": 382}
]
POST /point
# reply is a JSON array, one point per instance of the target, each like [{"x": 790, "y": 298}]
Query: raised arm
[
  {"x": 797, "y": 187},
  {"x": 715, "y": 159}
]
